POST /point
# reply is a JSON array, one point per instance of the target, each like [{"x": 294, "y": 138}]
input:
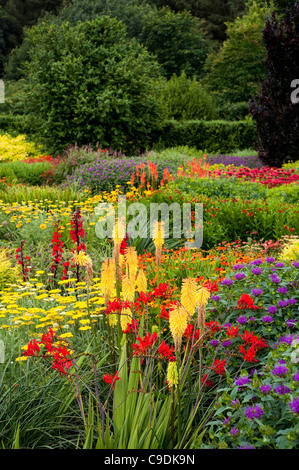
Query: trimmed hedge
[{"x": 211, "y": 136}]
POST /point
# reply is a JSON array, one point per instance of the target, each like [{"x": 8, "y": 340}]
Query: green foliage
[
  {"x": 14, "y": 15},
  {"x": 29, "y": 173},
  {"x": 215, "y": 13},
  {"x": 210, "y": 136},
  {"x": 87, "y": 84},
  {"x": 176, "y": 39},
  {"x": 234, "y": 72},
  {"x": 186, "y": 99}
]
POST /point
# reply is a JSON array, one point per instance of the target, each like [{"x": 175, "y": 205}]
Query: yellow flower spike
[
  {"x": 83, "y": 260},
  {"x": 125, "y": 318},
  {"x": 108, "y": 279},
  {"x": 119, "y": 232},
  {"x": 178, "y": 321},
  {"x": 202, "y": 298},
  {"x": 188, "y": 295},
  {"x": 141, "y": 281},
  {"x": 172, "y": 374},
  {"x": 158, "y": 239},
  {"x": 131, "y": 262},
  {"x": 128, "y": 289}
]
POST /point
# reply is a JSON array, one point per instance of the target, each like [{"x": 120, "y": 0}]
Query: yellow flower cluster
[{"x": 17, "y": 148}]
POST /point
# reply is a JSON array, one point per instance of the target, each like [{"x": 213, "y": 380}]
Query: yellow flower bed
[{"x": 17, "y": 148}]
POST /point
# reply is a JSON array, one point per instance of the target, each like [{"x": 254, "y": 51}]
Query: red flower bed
[{"x": 267, "y": 175}]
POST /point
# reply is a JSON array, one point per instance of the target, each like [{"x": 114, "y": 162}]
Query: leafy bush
[
  {"x": 102, "y": 90},
  {"x": 17, "y": 148},
  {"x": 185, "y": 99},
  {"x": 210, "y": 136}
]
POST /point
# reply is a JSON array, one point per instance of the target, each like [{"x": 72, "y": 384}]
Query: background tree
[
  {"x": 276, "y": 117},
  {"x": 176, "y": 39},
  {"x": 233, "y": 73},
  {"x": 215, "y": 13},
  {"x": 14, "y": 15},
  {"x": 87, "y": 83}
]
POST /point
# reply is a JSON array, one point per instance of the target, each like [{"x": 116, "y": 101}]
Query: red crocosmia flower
[
  {"x": 145, "y": 344},
  {"x": 249, "y": 356},
  {"x": 131, "y": 327},
  {"x": 214, "y": 326},
  {"x": 206, "y": 382},
  {"x": 231, "y": 331},
  {"x": 163, "y": 291},
  {"x": 219, "y": 366},
  {"x": 211, "y": 286},
  {"x": 246, "y": 301},
  {"x": 61, "y": 365},
  {"x": 165, "y": 352},
  {"x": 33, "y": 348},
  {"x": 111, "y": 379}
]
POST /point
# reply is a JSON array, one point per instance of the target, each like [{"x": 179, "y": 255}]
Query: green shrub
[
  {"x": 88, "y": 83},
  {"x": 212, "y": 136},
  {"x": 186, "y": 99}
]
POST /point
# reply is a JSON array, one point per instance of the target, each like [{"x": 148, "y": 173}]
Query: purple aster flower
[
  {"x": 291, "y": 301},
  {"x": 239, "y": 276},
  {"x": 291, "y": 322},
  {"x": 275, "y": 278},
  {"x": 235, "y": 432},
  {"x": 226, "y": 421},
  {"x": 295, "y": 264},
  {"x": 282, "y": 303},
  {"x": 214, "y": 342},
  {"x": 256, "y": 292},
  {"x": 282, "y": 389},
  {"x": 272, "y": 309},
  {"x": 242, "y": 320},
  {"x": 227, "y": 282},
  {"x": 279, "y": 265},
  {"x": 265, "y": 389},
  {"x": 241, "y": 381},
  {"x": 294, "y": 405},
  {"x": 282, "y": 290},
  {"x": 215, "y": 297},
  {"x": 257, "y": 271},
  {"x": 226, "y": 344},
  {"x": 252, "y": 319},
  {"x": 257, "y": 262},
  {"x": 270, "y": 259},
  {"x": 286, "y": 339},
  {"x": 280, "y": 371},
  {"x": 238, "y": 266},
  {"x": 252, "y": 412},
  {"x": 267, "y": 319},
  {"x": 296, "y": 377}
]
